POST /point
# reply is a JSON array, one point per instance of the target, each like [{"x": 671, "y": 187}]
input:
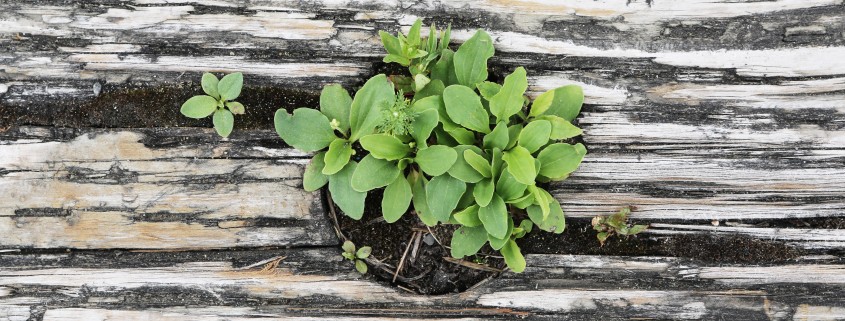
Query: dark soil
[
  {"x": 425, "y": 273},
  {"x": 130, "y": 107},
  {"x": 580, "y": 238}
]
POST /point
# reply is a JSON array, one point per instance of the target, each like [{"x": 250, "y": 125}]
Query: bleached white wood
[{"x": 224, "y": 313}]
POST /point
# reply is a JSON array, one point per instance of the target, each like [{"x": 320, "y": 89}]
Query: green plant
[
  {"x": 219, "y": 100},
  {"x": 462, "y": 150},
  {"x": 358, "y": 256},
  {"x": 615, "y": 224}
]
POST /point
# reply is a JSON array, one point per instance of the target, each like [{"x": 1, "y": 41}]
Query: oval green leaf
[
  {"x": 307, "y": 129},
  {"x": 373, "y": 173},
  {"x": 350, "y": 201},
  {"x": 467, "y": 241},
  {"x": 229, "y": 87},
  {"x": 340, "y": 150},
  {"x": 508, "y": 101},
  {"x": 468, "y": 217},
  {"x": 521, "y": 165},
  {"x": 470, "y": 60},
  {"x": 513, "y": 257},
  {"x": 443, "y": 193},
  {"x": 535, "y": 135},
  {"x": 385, "y": 146},
  {"x": 560, "y": 159},
  {"x": 464, "y": 108},
  {"x": 461, "y": 169},
  {"x": 365, "y": 112},
  {"x": 336, "y": 103},
  {"x": 498, "y": 138},
  {"x": 483, "y": 191},
  {"x": 478, "y": 162},
  {"x": 209, "y": 85},
  {"x": 436, "y": 159},
  {"x": 397, "y": 198},
  {"x": 494, "y": 216},
  {"x": 313, "y": 178},
  {"x": 199, "y": 106},
  {"x": 223, "y": 122}
]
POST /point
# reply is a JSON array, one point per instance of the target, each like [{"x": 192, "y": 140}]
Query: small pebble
[{"x": 428, "y": 239}]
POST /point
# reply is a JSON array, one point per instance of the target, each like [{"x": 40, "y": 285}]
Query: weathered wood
[
  {"x": 711, "y": 117},
  {"x": 554, "y": 286},
  {"x": 116, "y": 189}
]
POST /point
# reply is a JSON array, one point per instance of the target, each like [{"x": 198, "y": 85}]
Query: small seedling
[
  {"x": 219, "y": 100},
  {"x": 358, "y": 256},
  {"x": 615, "y": 224}
]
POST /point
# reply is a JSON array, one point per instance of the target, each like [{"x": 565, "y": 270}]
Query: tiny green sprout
[
  {"x": 615, "y": 224},
  {"x": 218, "y": 100},
  {"x": 397, "y": 117},
  {"x": 358, "y": 256}
]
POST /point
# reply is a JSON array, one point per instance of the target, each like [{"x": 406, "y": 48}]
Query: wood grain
[{"x": 710, "y": 117}]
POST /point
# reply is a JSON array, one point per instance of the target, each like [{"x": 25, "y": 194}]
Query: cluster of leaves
[
  {"x": 615, "y": 224},
  {"x": 219, "y": 100},
  {"x": 461, "y": 150},
  {"x": 358, "y": 256}
]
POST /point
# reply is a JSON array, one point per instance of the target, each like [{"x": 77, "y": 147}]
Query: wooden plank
[
  {"x": 554, "y": 286},
  {"x": 115, "y": 189}
]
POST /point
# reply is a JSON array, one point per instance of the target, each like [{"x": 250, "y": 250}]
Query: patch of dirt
[
  {"x": 580, "y": 238},
  {"x": 128, "y": 107},
  {"x": 424, "y": 272}
]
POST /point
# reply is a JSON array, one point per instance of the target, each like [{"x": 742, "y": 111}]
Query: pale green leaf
[
  {"x": 374, "y": 173},
  {"x": 554, "y": 222},
  {"x": 209, "y": 85},
  {"x": 313, "y": 178},
  {"x": 391, "y": 43},
  {"x": 535, "y": 135},
  {"x": 488, "y": 89},
  {"x": 199, "y": 106},
  {"x": 364, "y": 252},
  {"x": 508, "y": 187},
  {"x": 336, "y": 103},
  {"x": 348, "y": 247},
  {"x": 471, "y": 59},
  {"x": 508, "y": 101},
  {"x": 521, "y": 165},
  {"x": 467, "y": 241},
  {"x": 483, "y": 191},
  {"x": 397, "y": 197},
  {"x": 478, "y": 162},
  {"x": 443, "y": 193},
  {"x": 560, "y": 159},
  {"x": 494, "y": 216},
  {"x": 436, "y": 160},
  {"x": 461, "y": 169},
  {"x": 469, "y": 216},
  {"x": 513, "y": 257},
  {"x": 498, "y": 243},
  {"x": 565, "y": 103},
  {"x": 561, "y": 128},
  {"x": 464, "y": 107},
  {"x": 229, "y": 87},
  {"x": 383, "y": 146},
  {"x": 498, "y": 138},
  {"x": 340, "y": 150},
  {"x": 361, "y": 266},
  {"x": 307, "y": 129},
  {"x": 366, "y": 110},
  {"x": 422, "y": 126},
  {"x": 236, "y": 107},
  {"x": 350, "y": 201},
  {"x": 420, "y": 200},
  {"x": 223, "y": 122}
]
